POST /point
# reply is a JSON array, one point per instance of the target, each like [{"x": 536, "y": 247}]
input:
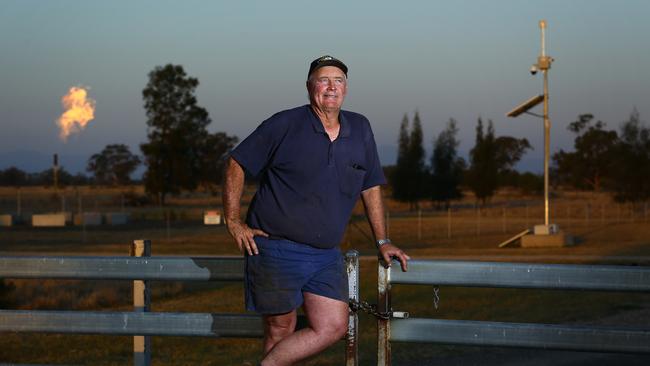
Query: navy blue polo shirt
[{"x": 308, "y": 184}]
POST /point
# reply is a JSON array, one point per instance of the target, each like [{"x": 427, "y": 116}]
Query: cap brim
[{"x": 335, "y": 63}]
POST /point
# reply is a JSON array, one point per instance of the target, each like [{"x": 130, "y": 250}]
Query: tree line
[
  {"x": 491, "y": 164},
  {"x": 180, "y": 154},
  {"x": 602, "y": 159},
  {"x": 607, "y": 160}
]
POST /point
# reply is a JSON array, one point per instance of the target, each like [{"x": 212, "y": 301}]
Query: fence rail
[
  {"x": 511, "y": 275},
  {"x": 132, "y": 323},
  {"x": 141, "y": 323},
  {"x": 546, "y": 336},
  {"x": 524, "y": 275},
  {"x": 124, "y": 268}
]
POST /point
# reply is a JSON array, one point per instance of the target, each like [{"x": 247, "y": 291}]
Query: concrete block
[
  {"x": 211, "y": 218},
  {"x": 49, "y": 220},
  {"x": 547, "y": 240},
  {"x": 546, "y": 229},
  {"x": 116, "y": 218},
  {"x": 88, "y": 219},
  {"x": 6, "y": 220}
]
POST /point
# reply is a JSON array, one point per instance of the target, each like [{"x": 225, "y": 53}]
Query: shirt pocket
[{"x": 352, "y": 179}]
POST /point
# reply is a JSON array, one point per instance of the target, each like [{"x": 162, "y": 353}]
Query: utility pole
[
  {"x": 547, "y": 234},
  {"x": 55, "y": 171},
  {"x": 544, "y": 64}
]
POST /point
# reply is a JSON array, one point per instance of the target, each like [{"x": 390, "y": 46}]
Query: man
[{"x": 313, "y": 163}]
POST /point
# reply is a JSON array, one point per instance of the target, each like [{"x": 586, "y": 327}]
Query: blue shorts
[{"x": 276, "y": 278}]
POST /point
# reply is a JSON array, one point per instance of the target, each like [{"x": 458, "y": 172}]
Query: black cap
[{"x": 326, "y": 60}]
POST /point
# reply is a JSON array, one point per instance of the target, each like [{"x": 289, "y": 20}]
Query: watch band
[{"x": 381, "y": 242}]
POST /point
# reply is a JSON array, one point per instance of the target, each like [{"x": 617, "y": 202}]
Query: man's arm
[
  {"x": 374, "y": 205},
  {"x": 233, "y": 187}
]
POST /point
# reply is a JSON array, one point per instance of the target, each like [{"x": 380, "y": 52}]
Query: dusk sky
[{"x": 460, "y": 59}]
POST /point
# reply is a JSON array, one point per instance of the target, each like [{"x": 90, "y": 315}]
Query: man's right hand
[{"x": 243, "y": 236}]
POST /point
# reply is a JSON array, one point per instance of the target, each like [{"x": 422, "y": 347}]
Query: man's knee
[
  {"x": 327, "y": 317},
  {"x": 278, "y": 327},
  {"x": 279, "y": 331},
  {"x": 340, "y": 328},
  {"x": 334, "y": 328}
]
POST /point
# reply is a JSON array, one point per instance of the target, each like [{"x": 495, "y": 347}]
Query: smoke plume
[{"x": 79, "y": 110}]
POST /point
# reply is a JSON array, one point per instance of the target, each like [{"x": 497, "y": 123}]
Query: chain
[
  {"x": 368, "y": 308},
  {"x": 436, "y": 296},
  {"x": 371, "y": 309}
]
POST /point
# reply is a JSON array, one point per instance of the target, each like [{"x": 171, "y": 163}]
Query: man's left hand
[{"x": 389, "y": 251}]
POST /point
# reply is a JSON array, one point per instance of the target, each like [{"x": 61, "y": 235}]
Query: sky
[{"x": 444, "y": 59}]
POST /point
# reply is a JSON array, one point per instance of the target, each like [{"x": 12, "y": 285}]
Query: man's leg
[
  {"x": 328, "y": 322},
  {"x": 277, "y": 327}
]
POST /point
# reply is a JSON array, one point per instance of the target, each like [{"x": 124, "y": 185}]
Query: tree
[
  {"x": 509, "y": 151},
  {"x": 399, "y": 177},
  {"x": 46, "y": 177},
  {"x": 492, "y": 158},
  {"x": 418, "y": 170},
  {"x": 409, "y": 180},
  {"x": 630, "y": 171},
  {"x": 482, "y": 174},
  {"x": 446, "y": 167},
  {"x": 113, "y": 165},
  {"x": 13, "y": 176},
  {"x": 176, "y": 132},
  {"x": 213, "y": 159},
  {"x": 587, "y": 166}
]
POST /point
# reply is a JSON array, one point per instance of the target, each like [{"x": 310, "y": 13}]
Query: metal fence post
[
  {"x": 526, "y": 224},
  {"x": 383, "y": 306},
  {"x": 449, "y": 223},
  {"x": 18, "y": 205},
  {"x": 352, "y": 337},
  {"x": 419, "y": 224},
  {"x": 141, "y": 303},
  {"x": 478, "y": 221}
]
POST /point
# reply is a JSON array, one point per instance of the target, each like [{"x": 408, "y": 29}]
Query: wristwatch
[{"x": 381, "y": 242}]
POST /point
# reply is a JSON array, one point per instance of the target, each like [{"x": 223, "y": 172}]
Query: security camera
[{"x": 533, "y": 70}]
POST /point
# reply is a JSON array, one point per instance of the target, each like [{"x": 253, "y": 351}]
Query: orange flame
[{"x": 79, "y": 110}]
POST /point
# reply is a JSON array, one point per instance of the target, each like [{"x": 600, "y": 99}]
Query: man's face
[{"x": 327, "y": 88}]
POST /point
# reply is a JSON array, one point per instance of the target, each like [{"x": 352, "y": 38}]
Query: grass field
[{"x": 607, "y": 233}]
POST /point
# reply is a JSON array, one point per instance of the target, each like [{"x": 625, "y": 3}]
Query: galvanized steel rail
[
  {"x": 124, "y": 268},
  {"x": 524, "y": 275},
  {"x": 511, "y": 275},
  {"x": 546, "y": 336},
  {"x": 132, "y": 323},
  {"x": 141, "y": 323}
]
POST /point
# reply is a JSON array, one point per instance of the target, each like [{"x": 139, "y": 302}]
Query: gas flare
[{"x": 79, "y": 110}]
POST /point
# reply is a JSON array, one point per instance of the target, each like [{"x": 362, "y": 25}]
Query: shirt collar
[{"x": 318, "y": 125}]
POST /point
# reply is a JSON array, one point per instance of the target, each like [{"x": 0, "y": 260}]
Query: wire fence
[
  {"x": 462, "y": 220},
  {"x": 511, "y": 218}
]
